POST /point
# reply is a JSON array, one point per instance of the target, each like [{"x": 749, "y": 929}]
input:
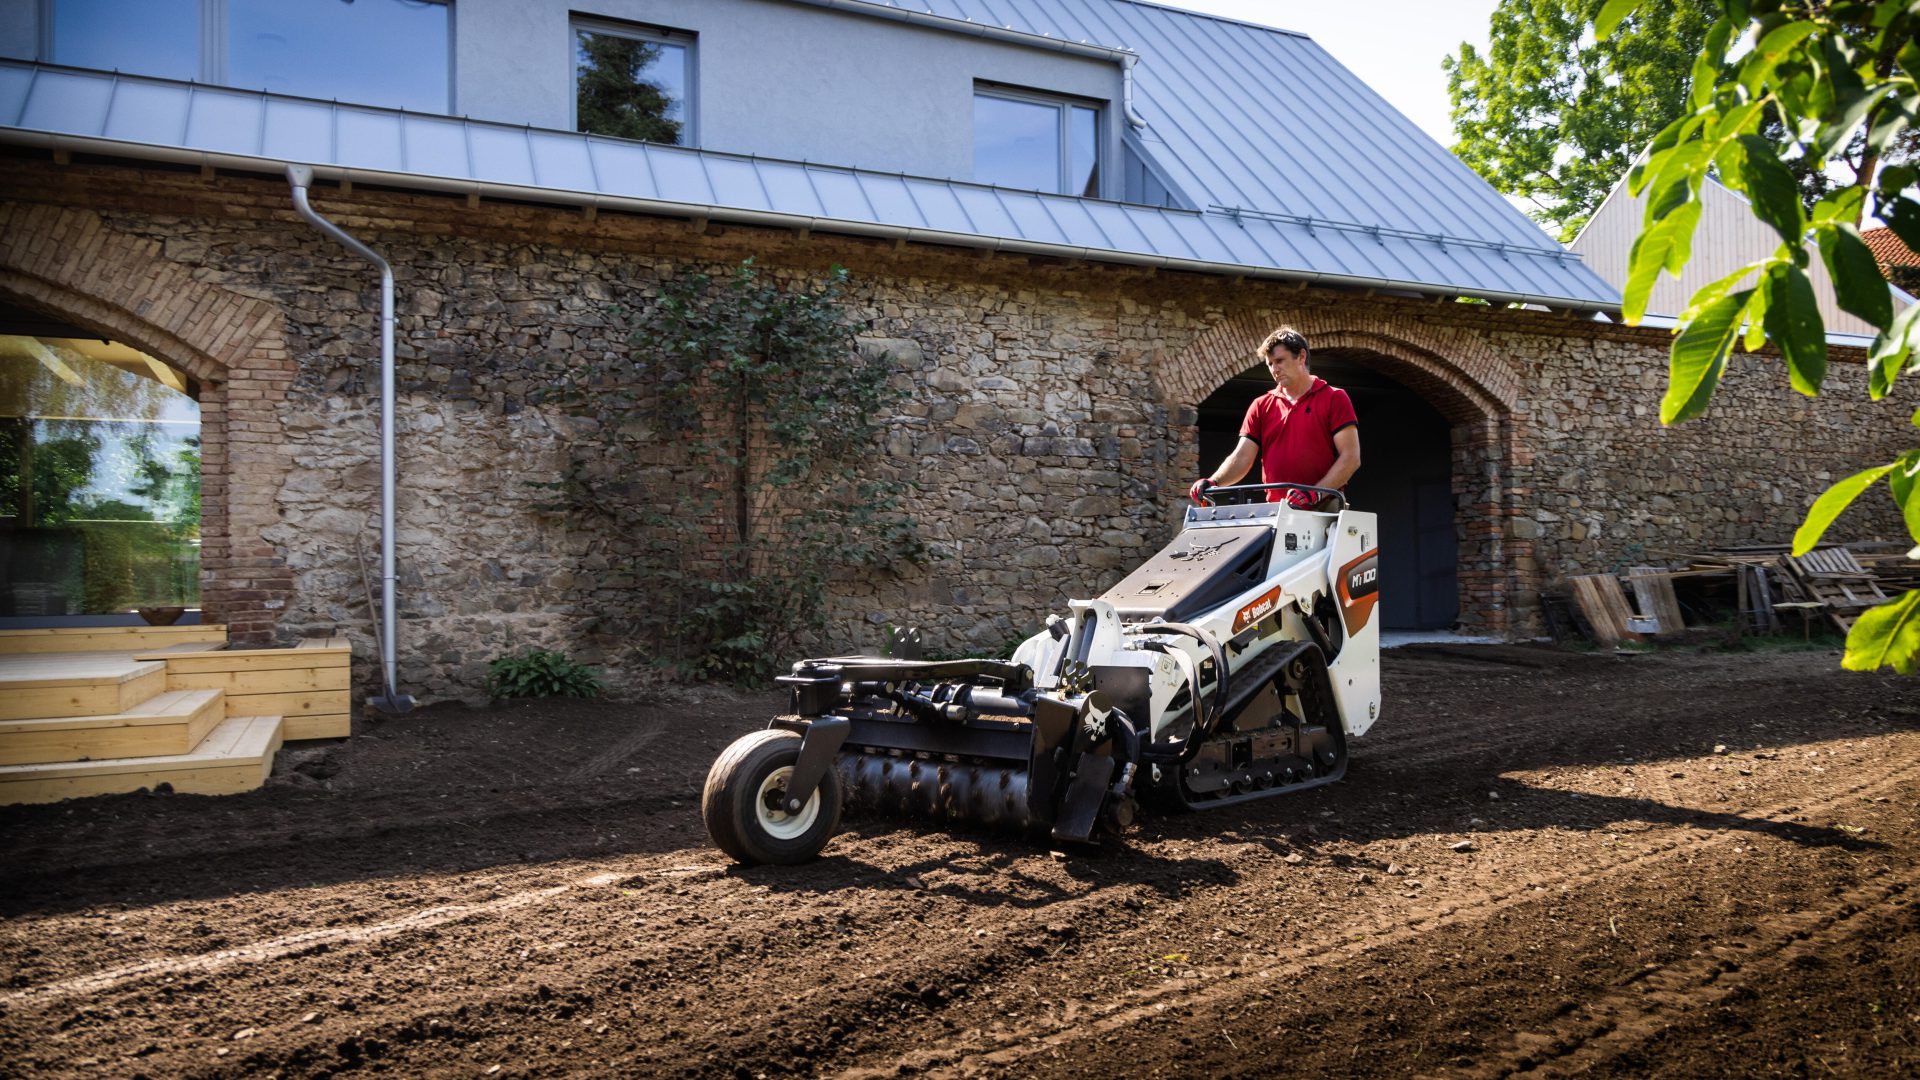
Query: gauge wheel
[{"x": 745, "y": 799}]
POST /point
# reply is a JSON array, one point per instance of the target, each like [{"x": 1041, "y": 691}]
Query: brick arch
[
  {"x": 1458, "y": 373},
  {"x": 72, "y": 265}
]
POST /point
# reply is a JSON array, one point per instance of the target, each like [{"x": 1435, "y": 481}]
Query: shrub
[
  {"x": 735, "y": 452},
  {"x": 541, "y": 673}
]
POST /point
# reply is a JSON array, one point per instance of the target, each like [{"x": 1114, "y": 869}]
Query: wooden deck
[{"x": 95, "y": 711}]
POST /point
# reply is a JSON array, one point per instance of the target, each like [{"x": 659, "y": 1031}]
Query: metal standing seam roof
[
  {"x": 77, "y": 109},
  {"x": 1265, "y": 119}
]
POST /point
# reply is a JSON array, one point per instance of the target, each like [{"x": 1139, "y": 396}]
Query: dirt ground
[{"x": 1679, "y": 865}]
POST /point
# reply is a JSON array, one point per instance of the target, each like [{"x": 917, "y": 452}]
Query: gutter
[
  {"x": 391, "y": 701},
  {"x": 772, "y": 219}
]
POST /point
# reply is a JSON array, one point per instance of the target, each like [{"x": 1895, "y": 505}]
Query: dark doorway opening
[{"x": 1406, "y": 477}]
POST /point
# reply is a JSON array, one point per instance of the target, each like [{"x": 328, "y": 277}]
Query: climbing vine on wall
[{"x": 734, "y": 449}]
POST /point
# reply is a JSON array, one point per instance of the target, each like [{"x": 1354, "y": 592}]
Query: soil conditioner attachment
[{"x": 1233, "y": 665}]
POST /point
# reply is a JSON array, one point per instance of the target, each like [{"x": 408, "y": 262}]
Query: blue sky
[{"x": 1395, "y": 46}]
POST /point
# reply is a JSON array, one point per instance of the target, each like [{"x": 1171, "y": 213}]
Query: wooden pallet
[
  {"x": 1653, "y": 594},
  {"x": 1834, "y": 578},
  {"x": 1600, "y": 602}
]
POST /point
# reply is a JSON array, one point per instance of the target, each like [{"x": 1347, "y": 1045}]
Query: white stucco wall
[
  {"x": 780, "y": 79},
  {"x": 771, "y": 77}
]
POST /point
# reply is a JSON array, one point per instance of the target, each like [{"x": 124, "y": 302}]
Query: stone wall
[{"x": 1050, "y": 428}]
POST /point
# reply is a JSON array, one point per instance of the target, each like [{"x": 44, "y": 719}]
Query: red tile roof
[{"x": 1888, "y": 250}]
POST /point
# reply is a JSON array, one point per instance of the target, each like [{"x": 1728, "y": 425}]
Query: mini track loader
[{"x": 1233, "y": 665}]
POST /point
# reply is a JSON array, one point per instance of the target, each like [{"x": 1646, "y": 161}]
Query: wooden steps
[
  {"x": 41, "y": 685},
  {"x": 236, "y": 756},
  {"x": 124, "y": 708},
  {"x": 308, "y": 684},
  {"x": 74, "y": 639},
  {"x": 172, "y": 722}
]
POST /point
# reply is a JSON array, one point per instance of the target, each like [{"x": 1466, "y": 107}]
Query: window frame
[
  {"x": 213, "y": 45},
  {"x": 1063, "y": 105},
  {"x": 658, "y": 35}
]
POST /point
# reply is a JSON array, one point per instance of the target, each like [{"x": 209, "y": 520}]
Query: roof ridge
[{"x": 1216, "y": 18}]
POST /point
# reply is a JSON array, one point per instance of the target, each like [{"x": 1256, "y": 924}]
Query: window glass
[
  {"x": 1016, "y": 144},
  {"x": 377, "y": 52},
  {"x": 631, "y": 86},
  {"x": 1083, "y": 151},
  {"x": 140, "y": 37},
  {"x": 99, "y": 480}
]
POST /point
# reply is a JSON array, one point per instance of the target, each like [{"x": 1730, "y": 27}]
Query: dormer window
[
  {"x": 1036, "y": 143},
  {"x": 633, "y": 82}
]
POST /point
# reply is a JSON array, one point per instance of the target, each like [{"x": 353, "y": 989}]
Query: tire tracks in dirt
[
  {"x": 1216, "y": 986},
  {"x": 1602, "y": 1028},
  {"x": 47, "y": 994}
]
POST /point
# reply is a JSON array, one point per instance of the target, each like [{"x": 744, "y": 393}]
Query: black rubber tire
[{"x": 752, "y": 833}]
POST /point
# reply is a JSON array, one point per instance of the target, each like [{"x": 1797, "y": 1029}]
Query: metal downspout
[
  {"x": 1126, "y": 90},
  {"x": 391, "y": 701}
]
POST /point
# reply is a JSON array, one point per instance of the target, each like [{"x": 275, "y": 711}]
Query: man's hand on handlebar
[{"x": 1198, "y": 492}]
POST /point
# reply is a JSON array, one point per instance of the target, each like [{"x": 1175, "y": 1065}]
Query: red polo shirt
[{"x": 1296, "y": 437}]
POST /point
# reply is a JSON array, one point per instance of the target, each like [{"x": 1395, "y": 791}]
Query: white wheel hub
[{"x": 770, "y": 802}]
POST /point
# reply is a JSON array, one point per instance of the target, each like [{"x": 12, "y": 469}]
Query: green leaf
[
  {"x": 1842, "y": 205},
  {"x": 1661, "y": 150},
  {"x": 1699, "y": 356},
  {"x": 1706, "y": 66},
  {"x": 1756, "y": 314},
  {"x": 1905, "y": 481},
  {"x": 1669, "y": 193},
  {"x": 1760, "y": 64},
  {"x": 1667, "y": 243},
  {"x": 1888, "y": 124},
  {"x": 1885, "y": 636},
  {"x": 1902, "y": 215},
  {"x": 1770, "y": 187},
  {"x": 1739, "y": 120},
  {"x": 1610, "y": 15},
  {"x": 1793, "y": 321},
  {"x": 1829, "y": 504},
  {"x": 1892, "y": 351},
  {"x": 1715, "y": 290},
  {"x": 1857, "y": 284},
  {"x": 1833, "y": 136}
]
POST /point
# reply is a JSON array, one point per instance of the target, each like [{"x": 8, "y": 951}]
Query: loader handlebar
[{"x": 1211, "y": 495}]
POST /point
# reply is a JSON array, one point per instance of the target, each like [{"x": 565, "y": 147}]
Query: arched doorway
[
  {"x": 99, "y": 477},
  {"x": 1406, "y": 478},
  {"x": 68, "y": 265}
]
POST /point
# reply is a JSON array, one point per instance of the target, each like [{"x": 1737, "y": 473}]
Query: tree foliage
[
  {"x": 615, "y": 96},
  {"x": 736, "y": 452},
  {"x": 1833, "y": 73},
  {"x": 1551, "y": 115}
]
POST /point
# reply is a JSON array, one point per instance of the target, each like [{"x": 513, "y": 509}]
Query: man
[{"x": 1303, "y": 431}]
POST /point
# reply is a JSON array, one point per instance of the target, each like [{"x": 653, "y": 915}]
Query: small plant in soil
[{"x": 539, "y": 673}]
